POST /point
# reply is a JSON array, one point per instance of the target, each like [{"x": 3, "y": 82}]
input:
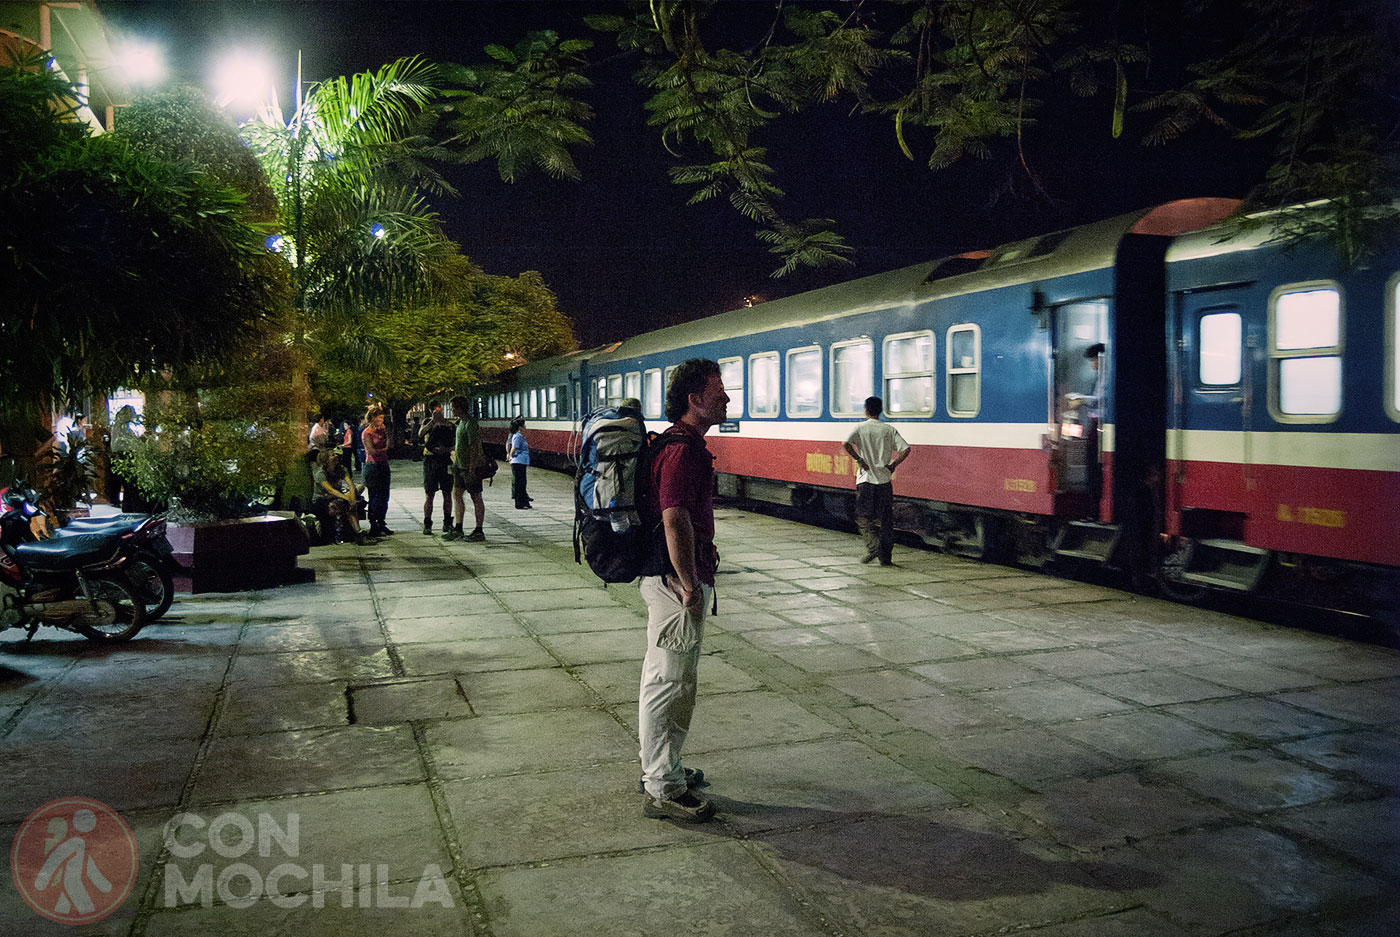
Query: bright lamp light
[
  {"x": 242, "y": 78},
  {"x": 143, "y": 63}
]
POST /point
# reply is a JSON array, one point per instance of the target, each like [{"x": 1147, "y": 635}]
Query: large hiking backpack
[{"x": 613, "y": 529}]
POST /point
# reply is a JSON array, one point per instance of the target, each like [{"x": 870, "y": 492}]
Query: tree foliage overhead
[
  {"x": 459, "y": 339},
  {"x": 117, "y": 263}
]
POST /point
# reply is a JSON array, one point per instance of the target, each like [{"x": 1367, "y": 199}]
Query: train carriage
[{"x": 1166, "y": 459}]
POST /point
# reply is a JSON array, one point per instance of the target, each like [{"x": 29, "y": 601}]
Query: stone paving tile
[
  {"x": 828, "y": 658},
  {"x": 917, "y": 650},
  {"x": 1222, "y": 881},
  {"x": 556, "y": 598},
  {"x": 742, "y": 720},
  {"x": 987, "y": 603},
  {"x": 312, "y": 635},
  {"x": 981, "y": 673},
  {"x": 496, "y": 583},
  {"x": 89, "y": 721},
  {"x": 337, "y": 664},
  {"x": 1142, "y": 736},
  {"x": 475, "y": 656},
  {"x": 1050, "y": 701},
  {"x": 398, "y": 701},
  {"x": 1356, "y": 703},
  {"x": 1370, "y": 756},
  {"x": 605, "y": 618},
  {"x": 823, "y": 614},
  {"x": 618, "y": 681},
  {"x": 1082, "y": 662},
  {"x": 249, "y": 710},
  {"x": 589, "y": 647},
  {"x": 1156, "y": 688},
  {"x": 717, "y": 886},
  {"x": 955, "y": 623},
  {"x": 1135, "y": 922},
  {"x": 787, "y": 637},
  {"x": 1345, "y": 663},
  {"x": 1028, "y": 756},
  {"x": 428, "y": 587},
  {"x": 1368, "y": 831},
  {"x": 517, "y": 691},
  {"x": 1256, "y": 718},
  {"x": 555, "y": 815},
  {"x": 1002, "y": 642},
  {"x": 835, "y": 780},
  {"x": 130, "y": 778},
  {"x": 1093, "y": 813},
  {"x": 944, "y": 716},
  {"x": 865, "y": 632},
  {"x": 437, "y": 606},
  {"x": 510, "y": 744},
  {"x": 883, "y": 685},
  {"x": 306, "y": 761},
  {"x": 1253, "y": 780},
  {"x": 453, "y": 628},
  {"x": 1251, "y": 676},
  {"x": 947, "y": 872},
  {"x": 438, "y": 913}
]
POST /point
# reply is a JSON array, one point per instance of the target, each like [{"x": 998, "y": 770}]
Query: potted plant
[{"x": 215, "y": 469}]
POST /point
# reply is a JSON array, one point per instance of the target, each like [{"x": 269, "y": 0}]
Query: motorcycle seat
[
  {"x": 92, "y": 525},
  {"x": 66, "y": 553}
]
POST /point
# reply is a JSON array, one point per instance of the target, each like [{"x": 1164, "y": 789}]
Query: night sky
[{"x": 620, "y": 247}]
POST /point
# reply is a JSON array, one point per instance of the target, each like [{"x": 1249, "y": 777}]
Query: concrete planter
[{"x": 246, "y": 553}]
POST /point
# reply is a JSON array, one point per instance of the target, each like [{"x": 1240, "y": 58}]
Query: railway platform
[{"x": 438, "y": 738}]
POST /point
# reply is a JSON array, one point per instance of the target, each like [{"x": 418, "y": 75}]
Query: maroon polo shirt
[{"x": 683, "y": 476}]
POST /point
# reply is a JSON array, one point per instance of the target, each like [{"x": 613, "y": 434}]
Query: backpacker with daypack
[{"x": 613, "y": 528}]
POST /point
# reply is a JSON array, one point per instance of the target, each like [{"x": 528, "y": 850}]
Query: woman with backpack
[{"x": 518, "y": 452}]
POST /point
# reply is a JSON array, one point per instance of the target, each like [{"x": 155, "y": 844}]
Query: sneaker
[
  {"x": 868, "y": 558},
  {"x": 427, "y": 528},
  {"x": 687, "y": 808},
  {"x": 887, "y": 562},
  {"x": 446, "y": 525},
  {"x": 452, "y": 534},
  {"x": 476, "y": 536},
  {"x": 694, "y": 777}
]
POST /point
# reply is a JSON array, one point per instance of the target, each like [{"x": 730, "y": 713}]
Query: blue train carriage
[
  {"x": 546, "y": 394},
  {"x": 980, "y": 359},
  {"x": 1283, "y": 445}
]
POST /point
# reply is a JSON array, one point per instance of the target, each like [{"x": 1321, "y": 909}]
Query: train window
[
  {"x": 666, "y": 383},
  {"x": 852, "y": 376},
  {"x": 551, "y": 403},
  {"x": 614, "y": 389},
  {"x": 1305, "y": 353},
  {"x": 632, "y": 385},
  {"x": 804, "y": 382},
  {"x": 514, "y": 403},
  {"x": 731, "y": 371},
  {"x": 600, "y": 397},
  {"x": 964, "y": 370},
  {"x": 651, "y": 394},
  {"x": 909, "y": 374},
  {"x": 532, "y": 404},
  {"x": 763, "y": 384},
  {"x": 1221, "y": 342}
]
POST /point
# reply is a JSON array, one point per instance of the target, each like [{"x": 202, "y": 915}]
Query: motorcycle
[
  {"x": 152, "y": 563},
  {"x": 78, "y": 583}
]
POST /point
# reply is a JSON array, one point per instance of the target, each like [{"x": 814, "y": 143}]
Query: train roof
[{"x": 1061, "y": 253}]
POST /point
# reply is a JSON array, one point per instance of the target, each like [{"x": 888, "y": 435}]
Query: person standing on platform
[
  {"x": 376, "y": 442},
  {"x": 436, "y": 439},
  {"x": 682, "y": 493},
  {"x": 320, "y": 435},
  {"x": 468, "y": 464},
  {"x": 878, "y": 449},
  {"x": 518, "y": 452}
]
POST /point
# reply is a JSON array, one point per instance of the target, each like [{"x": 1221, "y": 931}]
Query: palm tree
[{"x": 348, "y": 170}]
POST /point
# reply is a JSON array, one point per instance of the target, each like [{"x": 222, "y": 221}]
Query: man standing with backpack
[
  {"x": 437, "y": 438},
  {"x": 468, "y": 471},
  {"x": 681, "y": 492}
]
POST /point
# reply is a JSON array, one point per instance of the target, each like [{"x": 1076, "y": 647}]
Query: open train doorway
[{"x": 1080, "y": 408}]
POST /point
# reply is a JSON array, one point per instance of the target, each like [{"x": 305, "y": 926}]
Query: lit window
[
  {"x": 515, "y": 403},
  {"x": 804, "y": 382},
  {"x": 852, "y": 377},
  {"x": 1305, "y": 354},
  {"x": 533, "y": 411},
  {"x": 1221, "y": 344},
  {"x": 614, "y": 389},
  {"x": 964, "y": 370},
  {"x": 909, "y": 374},
  {"x": 551, "y": 403},
  {"x": 763, "y": 384},
  {"x": 731, "y": 372},
  {"x": 632, "y": 385},
  {"x": 600, "y": 396},
  {"x": 651, "y": 394}
]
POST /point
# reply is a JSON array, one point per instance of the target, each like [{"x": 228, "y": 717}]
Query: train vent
[{"x": 957, "y": 266}]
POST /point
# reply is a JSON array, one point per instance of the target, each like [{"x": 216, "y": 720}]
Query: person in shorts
[
  {"x": 436, "y": 438},
  {"x": 468, "y": 461}
]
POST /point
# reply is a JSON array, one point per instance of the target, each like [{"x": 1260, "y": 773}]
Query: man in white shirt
[{"x": 878, "y": 449}]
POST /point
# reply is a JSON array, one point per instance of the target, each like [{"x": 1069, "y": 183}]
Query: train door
[
  {"x": 1210, "y": 471},
  {"x": 1080, "y": 405}
]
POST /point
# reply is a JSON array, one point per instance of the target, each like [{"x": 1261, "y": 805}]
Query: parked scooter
[
  {"x": 77, "y": 583},
  {"x": 152, "y": 563}
]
